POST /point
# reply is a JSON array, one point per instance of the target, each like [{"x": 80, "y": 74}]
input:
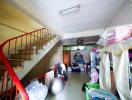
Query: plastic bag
[
  {"x": 36, "y": 91},
  {"x": 108, "y": 34},
  {"x": 114, "y": 35},
  {"x": 123, "y": 33},
  {"x": 102, "y": 41}
]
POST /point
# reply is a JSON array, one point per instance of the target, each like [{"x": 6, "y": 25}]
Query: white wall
[
  {"x": 83, "y": 34},
  {"x": 57, "y": 57},
  {"x": 123, "y": 16}
]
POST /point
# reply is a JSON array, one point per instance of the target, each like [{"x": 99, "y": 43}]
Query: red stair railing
[
  {"x": 10, "y": 84},
  {"x": 14, "y": 78}
]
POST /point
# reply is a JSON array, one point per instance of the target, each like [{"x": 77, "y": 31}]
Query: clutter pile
[
  {"x": 93, "y": 91},
  {"x": 51, "y": 82},
  {"x": 60, "y": 71},
  {"x": 114, "y": 66}
]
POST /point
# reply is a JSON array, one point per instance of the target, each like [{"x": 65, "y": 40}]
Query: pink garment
[{"x": 94, "y": 76}]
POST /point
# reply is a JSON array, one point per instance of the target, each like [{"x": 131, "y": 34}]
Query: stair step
[
  {"x": 38, "y": 44},
  {"x": 18, "y": 68},
  {"x": 32, "y": 47},
  {"x": 16, "y": 62},
  {"x": 41, "y": 42},
  {"x": 21, "y": 56},
  {"x": 27, "y": 51}
]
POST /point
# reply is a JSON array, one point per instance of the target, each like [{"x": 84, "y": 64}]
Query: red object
[
  {"x": 41, "y": 76},
  {"x": 20, "y": 36},
  {"x": 8, "y": 67},
  {"x": 93, "y": 49},
  {"x": 55, "y": 69},
  {"x": 14, "y": 77}
]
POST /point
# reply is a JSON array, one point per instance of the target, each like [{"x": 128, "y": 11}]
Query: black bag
[{"x": 65, "y": 75}]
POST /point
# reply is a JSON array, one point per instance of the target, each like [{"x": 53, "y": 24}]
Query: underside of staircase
[{"x": 28, "y": 50}]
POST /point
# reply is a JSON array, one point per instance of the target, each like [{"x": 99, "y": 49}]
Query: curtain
[
  {"x": 104, "y": 75},
  {"x": 120, "y": 67}
]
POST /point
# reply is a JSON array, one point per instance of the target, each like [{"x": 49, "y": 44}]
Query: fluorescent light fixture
[{"x": 70, "y": 10}]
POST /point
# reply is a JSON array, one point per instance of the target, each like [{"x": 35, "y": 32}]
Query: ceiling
[{"x": 93, "y": 14}]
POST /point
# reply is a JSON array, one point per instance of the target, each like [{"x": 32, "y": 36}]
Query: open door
[{"x": 67, "y": 58}]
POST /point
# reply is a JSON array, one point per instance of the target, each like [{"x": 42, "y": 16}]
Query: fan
[{"x": 79, "y": 41}]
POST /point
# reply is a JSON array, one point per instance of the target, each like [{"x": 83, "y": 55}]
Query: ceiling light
[{"x": 70, "y": 10}]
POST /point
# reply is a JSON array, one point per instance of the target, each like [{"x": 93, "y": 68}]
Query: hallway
[{"x": 72, "y": 90}]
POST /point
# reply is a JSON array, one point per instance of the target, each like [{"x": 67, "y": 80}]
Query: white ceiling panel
[{"x": 93, "y": 14}]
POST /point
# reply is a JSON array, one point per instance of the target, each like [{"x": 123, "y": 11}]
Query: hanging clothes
[
  {"x": 104, "y": 75},
  {"x": 93, "y": 59},
  {"x": 120, "y": 67}
]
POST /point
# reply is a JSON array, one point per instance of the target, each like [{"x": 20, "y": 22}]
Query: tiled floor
[{"x": 72, "y": 90}]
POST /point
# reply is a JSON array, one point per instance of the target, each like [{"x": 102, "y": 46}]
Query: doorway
[{"x": 67, "y": 58}]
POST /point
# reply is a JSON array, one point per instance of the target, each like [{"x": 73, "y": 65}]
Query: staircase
[{"x": 18, "y": 56}]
